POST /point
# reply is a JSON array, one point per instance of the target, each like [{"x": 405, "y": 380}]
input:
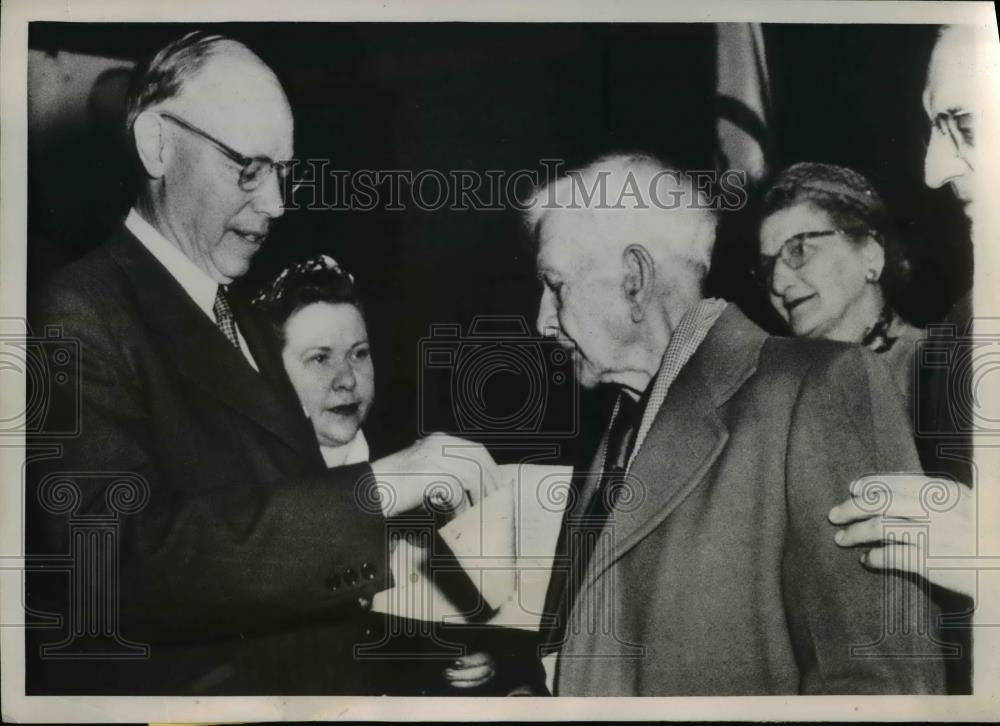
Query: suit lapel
[{"x": 196, "y": 348}]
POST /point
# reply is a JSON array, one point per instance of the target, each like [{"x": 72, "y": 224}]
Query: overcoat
[{"x": 717, "y": 574}]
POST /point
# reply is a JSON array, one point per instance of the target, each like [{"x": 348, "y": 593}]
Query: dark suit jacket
[
  {"x": 943, "y": 422},
  {"x": 943, "y": 425},
  {"x": 718, "y": 573},
  {"x": 248, "y": 565}
]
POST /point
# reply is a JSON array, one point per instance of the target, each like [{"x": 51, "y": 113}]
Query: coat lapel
[
  {"x": 194, "y": 346},
  {"x": 686, "y": 437},
  {"x": 685, "y": 440},
  {"x": 590, "y": 480}
]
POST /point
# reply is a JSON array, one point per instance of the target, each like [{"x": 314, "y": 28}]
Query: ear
[
  {"x": 150, "y": 143},
  {"x": 873, "y": 255},
  {"x": 640, "y": 272}
]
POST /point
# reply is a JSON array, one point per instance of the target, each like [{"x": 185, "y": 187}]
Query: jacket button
[
  {"x": 333, "y": 582},
  {"x": 364, "y": 603},
  {"x": 367, "y": 571},
  {"x": 350, "y": 577}
]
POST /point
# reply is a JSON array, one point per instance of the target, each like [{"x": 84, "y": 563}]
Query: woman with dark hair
[
  {"x": 320, "y": 321},
  {"x": 831, "y": 263}
]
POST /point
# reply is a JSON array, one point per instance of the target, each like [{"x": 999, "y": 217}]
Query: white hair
[{"x": 636, "y": 199}]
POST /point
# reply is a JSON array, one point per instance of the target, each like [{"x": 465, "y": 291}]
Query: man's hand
[
  {"x": 440, "y": 472},
  {"x": 880, "y": 505}
]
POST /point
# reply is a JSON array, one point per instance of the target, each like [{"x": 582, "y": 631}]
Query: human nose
[
  {"x": 942, "y": 162},
  {"x": 344, "y": 377},
  {"x": 547, "y": 323},
  {"x": 782, "y": 277},
  {"x": 268, "y": 198}
]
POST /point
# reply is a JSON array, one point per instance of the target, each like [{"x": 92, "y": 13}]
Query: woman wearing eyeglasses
[
  {"x": 831, "y": 267},
  {"x": 830, "y": 263}
]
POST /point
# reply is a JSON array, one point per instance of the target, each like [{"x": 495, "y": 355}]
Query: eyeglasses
[
  {"x": 795, "y": 252},
  {"x": 254, "y": 170},
  {"x": 957, "y": 128}
]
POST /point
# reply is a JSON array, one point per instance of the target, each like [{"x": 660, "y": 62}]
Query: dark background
[{"x": 505, "y": 96}]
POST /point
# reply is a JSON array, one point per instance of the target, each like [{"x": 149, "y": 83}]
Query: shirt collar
[
  {"x": 353, "y": 452},
  {"x": 196, "y": 283},
  {"x": 684, "y": 342}
]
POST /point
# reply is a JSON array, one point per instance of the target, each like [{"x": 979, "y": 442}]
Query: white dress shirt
[
  {"x": 196, "y": 283},
  {"x": 354, "y": 451}
]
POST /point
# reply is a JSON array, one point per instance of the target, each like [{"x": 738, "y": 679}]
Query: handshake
[{"x": 438, "y": 472}]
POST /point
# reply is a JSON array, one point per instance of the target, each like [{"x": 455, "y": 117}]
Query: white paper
[{"x": 505, "y": 544}]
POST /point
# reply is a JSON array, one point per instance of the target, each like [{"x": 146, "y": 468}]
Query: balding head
[
  {"x": 173, "y": 69},
  {"x": 200, "y": 114}
]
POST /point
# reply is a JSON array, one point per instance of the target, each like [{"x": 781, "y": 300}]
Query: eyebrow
[{"x": 312, "y": 348}]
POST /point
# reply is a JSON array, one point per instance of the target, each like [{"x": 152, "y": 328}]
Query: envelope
[{"x": 505, "y": 545}]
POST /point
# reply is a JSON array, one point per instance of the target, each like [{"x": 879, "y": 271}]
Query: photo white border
[{"x": 13, "y": 234}]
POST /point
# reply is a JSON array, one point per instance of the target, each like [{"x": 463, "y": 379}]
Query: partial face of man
[
  {"x": 215, "y": 222},
  {"x": 950, "y": 104},
  {"x": 583, "y": 303}
]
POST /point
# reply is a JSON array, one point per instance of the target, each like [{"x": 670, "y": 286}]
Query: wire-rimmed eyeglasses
[
  {"x": 795, "y": 252},
  {"x": 957, "y": 127},
  {"x": 254, "y": 170}
]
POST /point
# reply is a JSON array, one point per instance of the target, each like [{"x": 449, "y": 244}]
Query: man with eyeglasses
[
  {"x": 943, "y": 423},
  {"x": 949, "y": 100},
  {"x": 240, "y": 564}
]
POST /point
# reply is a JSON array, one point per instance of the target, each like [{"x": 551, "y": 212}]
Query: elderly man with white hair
[{"x": 688, "y": 562}]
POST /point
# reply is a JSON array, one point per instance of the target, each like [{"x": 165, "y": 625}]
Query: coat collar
[
  {"x": 193, "y": 345},
  {"x": 686, "y": 437}
]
